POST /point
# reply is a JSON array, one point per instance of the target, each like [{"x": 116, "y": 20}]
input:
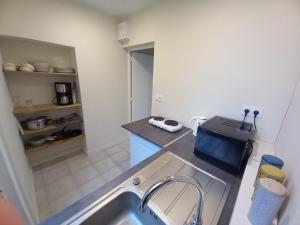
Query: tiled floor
[{"x": 63, "y": 183}]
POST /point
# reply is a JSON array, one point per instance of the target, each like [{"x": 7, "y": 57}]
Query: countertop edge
[
  {"x": 154, "y": 134},
  {"x": 231, "y": 215},
  {"x": 243, "y": 201}
]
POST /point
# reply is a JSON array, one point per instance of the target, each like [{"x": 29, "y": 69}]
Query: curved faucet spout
[{"x": 174, "y": 179}]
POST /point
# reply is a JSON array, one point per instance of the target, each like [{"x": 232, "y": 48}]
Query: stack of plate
[
  {"x": 26, "y": 67},
  {"x": 9, "y": 66},
  {"x": 63, "y": 70}
]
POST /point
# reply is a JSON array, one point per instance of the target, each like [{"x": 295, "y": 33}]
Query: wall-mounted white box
[{"x": 123, "y": 32}]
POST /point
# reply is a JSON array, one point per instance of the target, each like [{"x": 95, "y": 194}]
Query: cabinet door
[{"x": 140, "y": 149}]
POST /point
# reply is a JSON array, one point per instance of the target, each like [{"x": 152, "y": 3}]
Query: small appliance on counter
[
  {"x": 63, "y": 93},
  {"x": 166, "y": 124},
  {"x": 222, "y": 142}
]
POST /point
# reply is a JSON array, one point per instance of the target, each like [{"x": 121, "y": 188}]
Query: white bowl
[
  {"x": 42, "y": 66},
  {"x": 9, "y": 64},
  {"x": 9, "y": 68},
  {"x": 25, "y": 69},
  {"x": 27, "y": 65}
]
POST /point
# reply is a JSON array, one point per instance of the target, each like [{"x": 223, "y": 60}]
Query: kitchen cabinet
[{"x": 141, "y": 149}]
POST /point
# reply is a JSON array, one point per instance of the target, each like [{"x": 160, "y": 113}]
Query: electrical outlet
[{"x": 251, "y": 110}]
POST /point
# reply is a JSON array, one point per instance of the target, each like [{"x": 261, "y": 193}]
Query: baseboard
[{"x": 108, "y": 145}]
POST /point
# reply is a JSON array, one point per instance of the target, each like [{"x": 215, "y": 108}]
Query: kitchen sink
[
  {"x": 123, "y": 210},
  {"x": 172, "y": 205}
]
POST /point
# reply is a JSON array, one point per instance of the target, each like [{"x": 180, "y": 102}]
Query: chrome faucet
[{"x": 169, "y": 180}]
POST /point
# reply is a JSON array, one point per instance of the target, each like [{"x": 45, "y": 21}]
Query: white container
[
  {"x": 196, "y": 121},
  {"x": 42, "y": 66},
  {"x": 268, "y": 199}
]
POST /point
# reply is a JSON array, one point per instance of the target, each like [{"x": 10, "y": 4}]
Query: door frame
[
  {"x": 130, "y": 49},
  {"x": 15, "y": 185}
]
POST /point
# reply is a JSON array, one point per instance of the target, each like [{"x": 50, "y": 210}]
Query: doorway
[{"x": 141, "y": 79}]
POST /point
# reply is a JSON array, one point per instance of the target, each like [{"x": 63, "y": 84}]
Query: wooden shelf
[
  {"x": 33, "y": 149},
  {"x": 51, "y": 127},
  {"x": 39, "y": 73},
  {"x": 43, "y": 107}
]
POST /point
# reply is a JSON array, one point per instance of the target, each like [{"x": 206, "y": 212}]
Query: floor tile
[
  {"x": 78, "y": 162},
  {"x": 105, "y": 165},
  {"x": 60, "y": 187},
  {"x": 63, "y": 183},
  {"x": 54, "y": 172},
  {"x": 125, "y": 145},
  {"x": 120, "y": 157},
  {"x": 44, "y": 212},
  {"x": 64, "y": 201},
  {"x": 112, "y": 173},
  {"x": 98, "y": 156},
  {"x": 53, "y": 166},
  {"x": 38, "y": 180},
  {"x": 85, "y": 175},
  {"x": 114, "y": 150},
  {"x": 41, "y": 197},
  {"x": 92, "y": 185},
  {"x": 125, "y": 165}
]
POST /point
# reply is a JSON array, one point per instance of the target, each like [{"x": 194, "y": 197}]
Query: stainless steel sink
[
  {"x": 123, "y": 210},
  {"x": 173, "y": 205}
]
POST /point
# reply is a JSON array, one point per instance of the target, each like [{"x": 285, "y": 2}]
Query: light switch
[{"x": 158, "y": 98}]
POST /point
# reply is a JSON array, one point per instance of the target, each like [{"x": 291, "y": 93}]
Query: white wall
[
  {"x": 12, "y": 146},
  {"x": 101, "y": 62},
  {"x": 288, "y": 149},
  {"x": 212, "y": 57},
  {"x": 141, "y": 85}
]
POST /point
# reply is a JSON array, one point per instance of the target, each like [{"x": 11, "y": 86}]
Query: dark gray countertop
[
  {"x": 184, "y": 148},
  {"x": 154, "y": 134}
]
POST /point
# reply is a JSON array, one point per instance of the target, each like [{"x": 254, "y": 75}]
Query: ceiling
[{"x": 119, "y": 8}]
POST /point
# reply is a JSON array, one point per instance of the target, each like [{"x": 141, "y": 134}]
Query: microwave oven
[{"x": 222, "y": 142}]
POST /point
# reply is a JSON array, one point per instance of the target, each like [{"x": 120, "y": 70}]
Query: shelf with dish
[
  {"x": 43, "y": 107},
  {"x": 63, "y": 129},
  {"x": 37, "y": 68},
  {"x": 30, "y": 149},
  {"x": 43, "y": 81},
  {"x": 49, "y": 128},
  {"x": 35, "y": 73}
]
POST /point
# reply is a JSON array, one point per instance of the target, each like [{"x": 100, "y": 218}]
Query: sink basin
[
  {"x": 173, "y": 205},
  {"x": 123, "y": 210}
]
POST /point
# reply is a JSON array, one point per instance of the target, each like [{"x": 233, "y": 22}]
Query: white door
[{"x": 141, "y": 85}]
